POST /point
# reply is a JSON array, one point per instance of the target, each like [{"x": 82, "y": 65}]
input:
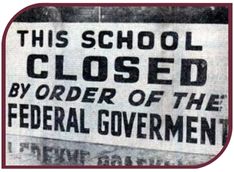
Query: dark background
[{"x": 126, "y": 14}]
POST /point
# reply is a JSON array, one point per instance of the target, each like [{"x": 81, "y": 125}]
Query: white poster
[{"x": 153, "y": 86}]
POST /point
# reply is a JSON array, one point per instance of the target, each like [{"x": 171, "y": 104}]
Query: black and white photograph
[{"x": 116, "y": 85}]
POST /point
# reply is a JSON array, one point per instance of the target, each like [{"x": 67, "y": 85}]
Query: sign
[
  {"x": 23, "y": 150},
  {"x": 153, "y": 86}
]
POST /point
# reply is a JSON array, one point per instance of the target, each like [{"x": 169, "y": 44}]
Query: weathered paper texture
[{"x": 110, "y": 128}]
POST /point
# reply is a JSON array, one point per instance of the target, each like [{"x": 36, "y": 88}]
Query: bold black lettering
[
  {"x": 134, "y": 102},
  {"x": 31, "y": 65},
  {"x": 154, "y": 70},
  {"x": 86, "y": 37},
  {"x": 35, "y": 117},
  {"x": 188, "y": 43},
  {"x": 128, "y": 123},
  {"x": 45, "y": 94},
  {"x": 153, "y": 97},
  {"x": 36, "y": 38},
  {"x": 116, "y": 123},
  {"x": 59, "y": 70},
  {"x": 186, "y": 68},
  {"x": 83, "y": 129},
  {"x": 14, "y": 90},
  {"x": 179, "y": 97},
  {"x": 121, "y": 39},
  {"x": 141, "y": 125},
  {"x": 70, "y": 96},
  {"x": 24, "y": 90},
  {"x": 174, "y": 44},
  {"x": 133, "y": 72},
  {"x": 50, "y": 38},
  {"x": 46, "y": 117},
  {"x": 191, "y": 129},
  {"x": 141, "y": 37},
  {"x": 59, "y": 115},
  {"x": 107, "y": 95},
  {"x": 10, "y": 113},
  {"x": 101, "y": 36},
  {"x": 22, "y": 36},
  {"x": 174, "y": 128},
  {"x": 89, "y": 92},
  {"x": 198, "y": 102},
  {"x": 212, "y": 102},
  {"x": 224, "y": 123},
  {"x": 63, "y": 40},
  {"x": 23, "y": 116},
  {"x": 155, "y": 128},
  {"x": 72, "y": 121},
  {"x": 57, "y": 92},
  {"x": 102, "y": 68},
  {"x": 209, "y": 130},
  {"x": 103, "y": 126}
]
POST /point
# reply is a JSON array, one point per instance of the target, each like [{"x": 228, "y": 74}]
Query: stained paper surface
[{"x": 151, "y": 99}]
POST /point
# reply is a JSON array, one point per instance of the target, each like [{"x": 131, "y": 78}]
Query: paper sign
[{"x": 153, "y": 86}]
